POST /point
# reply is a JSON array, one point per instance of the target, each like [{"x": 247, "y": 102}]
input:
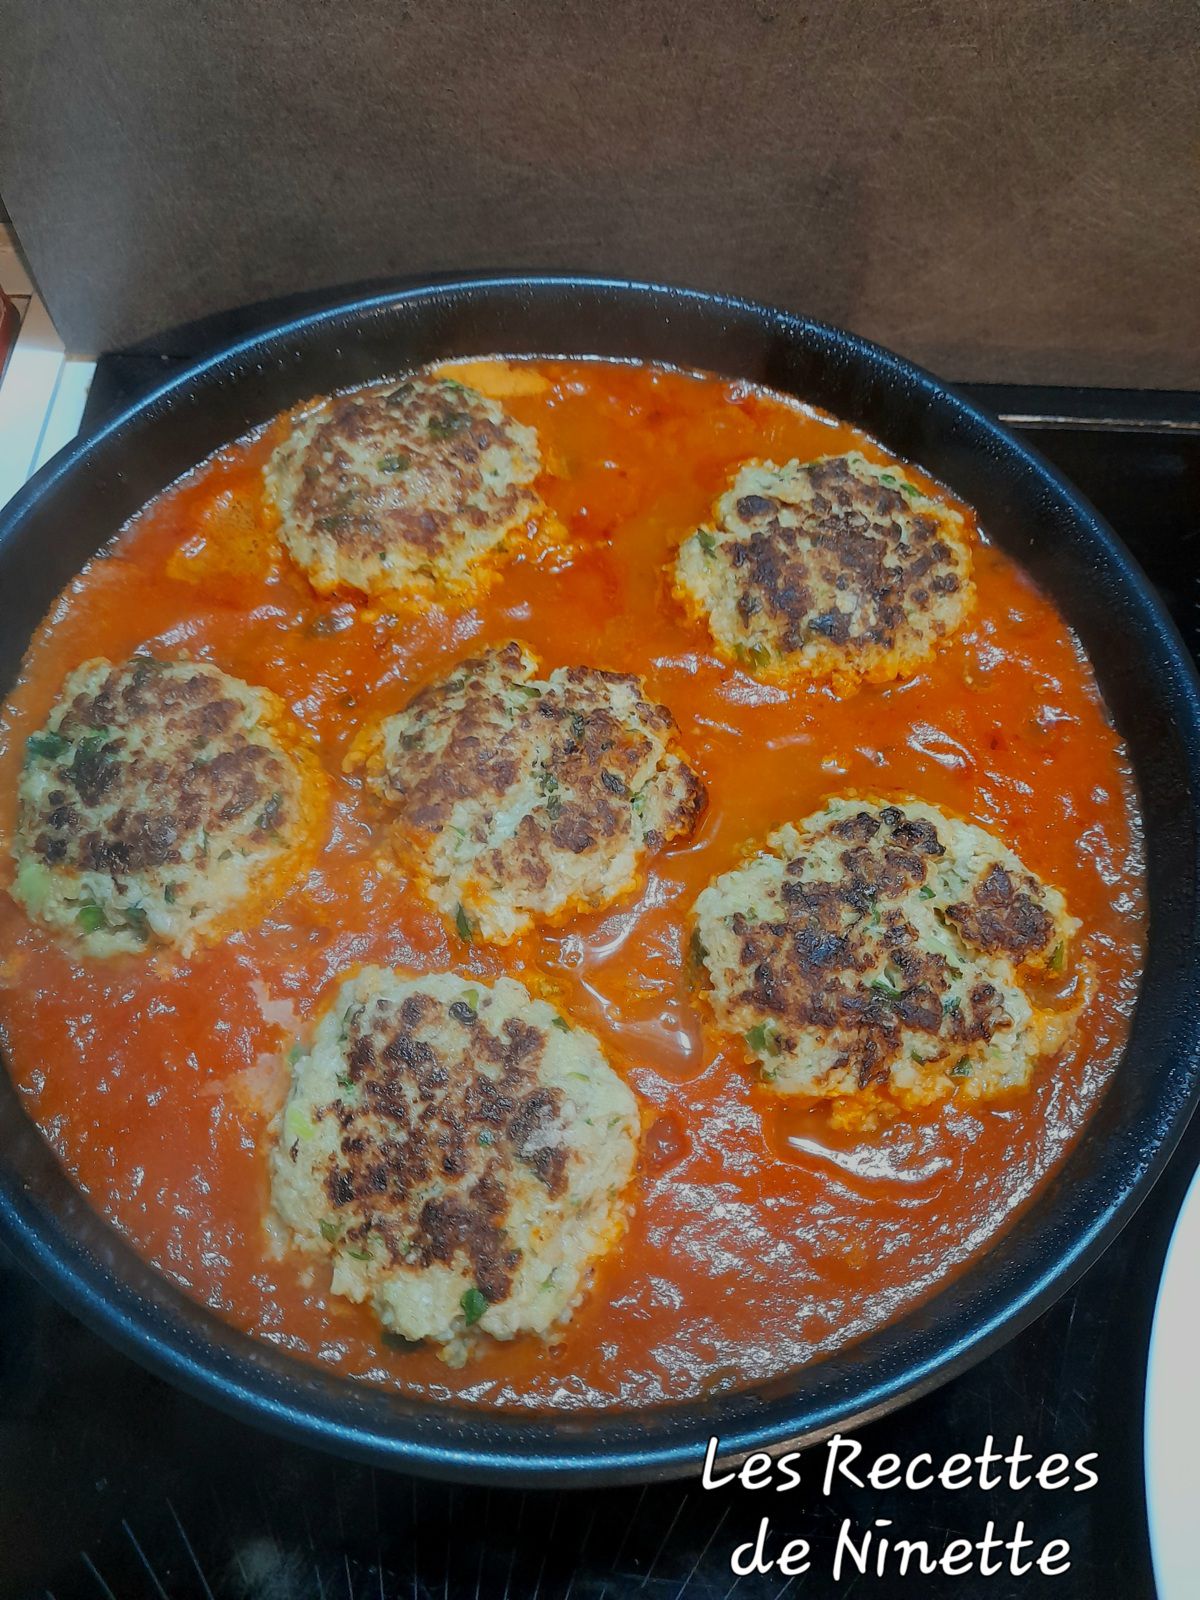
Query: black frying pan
[{"x": 76, "y": 503}]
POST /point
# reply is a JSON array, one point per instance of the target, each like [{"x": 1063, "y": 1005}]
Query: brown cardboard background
[{"x": 1005, "y": 189}]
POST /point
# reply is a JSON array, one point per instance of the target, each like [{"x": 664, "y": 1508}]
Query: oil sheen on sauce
[{"x": 760, "y": 1237}]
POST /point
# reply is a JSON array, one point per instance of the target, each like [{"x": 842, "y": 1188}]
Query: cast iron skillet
[{"x": 76, "y": 503}]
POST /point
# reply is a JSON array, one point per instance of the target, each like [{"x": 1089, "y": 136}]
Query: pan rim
[{"x": 569, "y": 1448}]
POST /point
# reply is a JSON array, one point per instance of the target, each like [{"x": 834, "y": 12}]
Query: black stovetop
[{"x": 114, "y": 1485}]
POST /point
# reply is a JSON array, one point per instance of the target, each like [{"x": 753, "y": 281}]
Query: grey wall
[{"x": 1005, "y": 189}]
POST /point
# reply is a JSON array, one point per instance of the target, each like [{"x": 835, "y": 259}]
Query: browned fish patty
[
  {"x": 836, "y": 569},
  {"x": 460, "y": 1152},
  {"x": 880, "y": 944},
  {"x": 521, "y": 798},
  {"x": 163, "y": 801},
  {"x": 410, "y": 488}
]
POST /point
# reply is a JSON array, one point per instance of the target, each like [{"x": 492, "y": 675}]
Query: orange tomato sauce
[{"x": 760, "y": 1236}]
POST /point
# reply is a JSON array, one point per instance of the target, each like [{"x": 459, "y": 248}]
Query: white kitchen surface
[
  {"x": 43, "y": 390},
  {"x": 1173, "y": 1413}
]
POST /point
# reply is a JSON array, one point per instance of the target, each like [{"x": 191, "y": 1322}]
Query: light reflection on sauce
[{"x": 885, "y": 1161}]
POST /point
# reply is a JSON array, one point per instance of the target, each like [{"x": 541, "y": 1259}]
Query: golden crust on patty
[
  {"x": 163, "y": 802},
  {"x": 835, "y": 569},
  {"x": 522, "y": 798},
  {"x": 408, "y": 488},
  {"x": 461, "y": 1153},
  {"x": 878, "y": 946}
]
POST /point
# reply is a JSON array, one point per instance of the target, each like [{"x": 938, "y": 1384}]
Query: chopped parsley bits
[
  {"x": 350, "y": 1019},
  {"x": 757, "y": 655},
  {"x": 296, "y": 1124},
  {"x": 890, "y": 481},
  {"x": 46, "y": 746},
  {"x": 473, "y": 1306},
  {"x": 137, "y": 922},
  {"x": 470, "y": 999},
  {"x": 762, "y": 1037},
  {"x": 90, "y": 917},
  {"x": 448, "y": 424}
]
